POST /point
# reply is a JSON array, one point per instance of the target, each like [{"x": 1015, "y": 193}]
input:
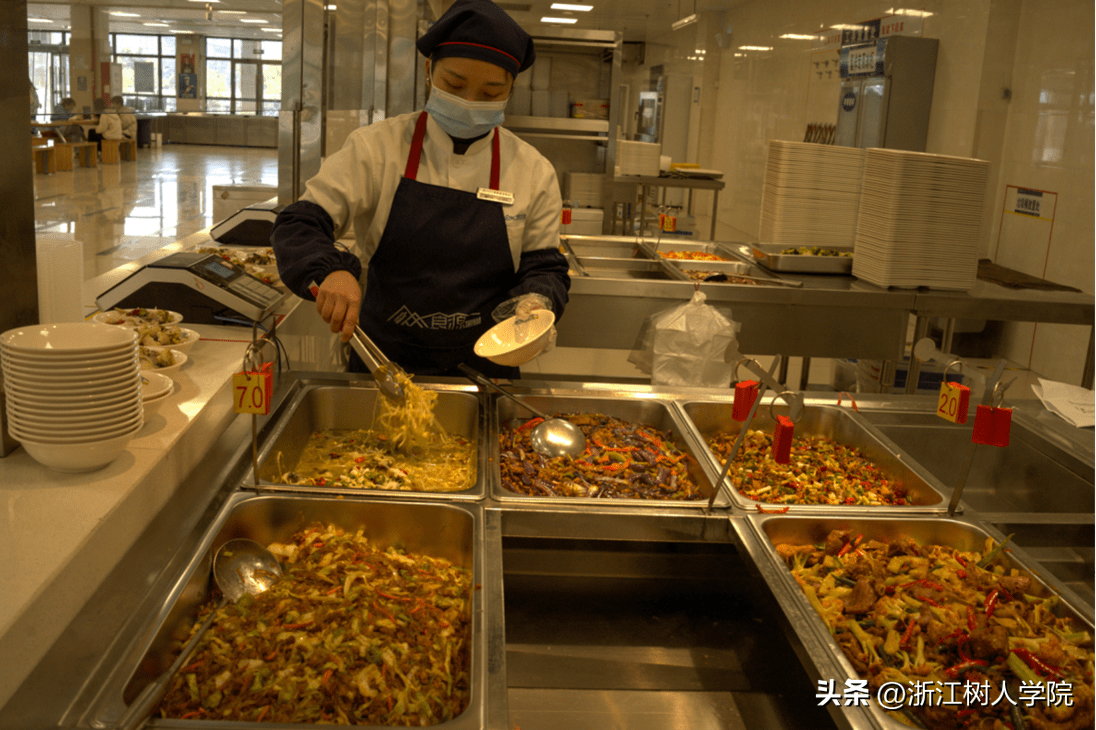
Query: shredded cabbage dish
[
  {"x": 819, "y": 471},
  {"x": 622, "y": 459},
  {"x": 407, "y": 451},
  {"x": 349, "y": 634},
  {"x": 691, "y": 256},
  {"x": 903, "y": 612}
]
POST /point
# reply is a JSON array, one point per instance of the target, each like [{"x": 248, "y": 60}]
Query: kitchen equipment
[
  {"x": 886, "y": 93},
  {"x": 204, "y": 288},
  {"x": 552, "y": 436},
  {"x": 240, "y": 566},
  {"x": 250, "y": 226}
]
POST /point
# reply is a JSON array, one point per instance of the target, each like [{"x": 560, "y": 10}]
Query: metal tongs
[{"x": 384, "y": 371}]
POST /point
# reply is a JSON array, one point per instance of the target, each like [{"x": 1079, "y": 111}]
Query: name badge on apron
[{"x": 495, "y": 196}]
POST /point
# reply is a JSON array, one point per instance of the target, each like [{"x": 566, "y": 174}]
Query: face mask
[{"x": 461, "y": 118}]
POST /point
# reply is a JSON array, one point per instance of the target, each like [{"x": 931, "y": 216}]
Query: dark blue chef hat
[{"x": 481, "y": 30}]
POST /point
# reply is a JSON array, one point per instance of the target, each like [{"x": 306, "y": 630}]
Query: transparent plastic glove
[{"x": 522, "y": 305}]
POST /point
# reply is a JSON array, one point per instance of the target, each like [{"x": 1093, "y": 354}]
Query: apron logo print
[{"x": 436, "y": 321}]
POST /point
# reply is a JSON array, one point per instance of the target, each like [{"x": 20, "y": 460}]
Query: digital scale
[
  {"x": 250, "y": 226},
  {"x": 202, "y": 287}
]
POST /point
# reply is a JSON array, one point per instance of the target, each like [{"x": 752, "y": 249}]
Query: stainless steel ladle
[
  {"x": 552, "y": 436},
  {"x": 240, "y": 566}
]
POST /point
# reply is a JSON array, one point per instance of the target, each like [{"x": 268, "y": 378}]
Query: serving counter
[{"x": 593, "y": 608}]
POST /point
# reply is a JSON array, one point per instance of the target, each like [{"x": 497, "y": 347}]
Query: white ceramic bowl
[
  {"x": 152, "y": 405},
  {"x": 516, "y": 340},
  {"x": 123, "y": 316},
  {"x": 154, "y": 385},
  {"x": 68, "y": 337},
  {"x": 184, "y": 346},
  {"x": 70, "y": 397},
  {"x": 53, "y": 436},
  {"x": 78, "y": 457},
  {"x": 88, "y": 375},
  {"x": 67, "y": 419},
  {"x": 170, "y": 370},
  {"x": 57, "y": 360}
]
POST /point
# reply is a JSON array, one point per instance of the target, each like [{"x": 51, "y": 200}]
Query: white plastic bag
[{"x": 686, "y": 345}]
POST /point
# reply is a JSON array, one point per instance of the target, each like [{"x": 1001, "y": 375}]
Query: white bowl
[
  {"x": 28, "y": 400},
  {"x": 74, "y": 396},
  {"x": 58, "y": 360},
  {"x": 69, "y": 420},
  {"x": 155, "y": 385},
  {"x": 82, "y": 457},
  {"x": 516, "y": 340},
  {"x": 184, "y": 346},
  {"x": 69, "y": 338},
  {"x": 71, "y": 375},
  {"x": 49, "y": 434},
  {"x": 125, "y": 316},
  {"x": 152, "y": 405},
  {"x": 180, "y": 360}
]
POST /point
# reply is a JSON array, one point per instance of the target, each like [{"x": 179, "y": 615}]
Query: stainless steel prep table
[{"x": 648, "y": 614}]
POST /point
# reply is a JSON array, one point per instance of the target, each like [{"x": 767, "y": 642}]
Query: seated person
[
  {"x": 67, "y": 110},
  {"x": 127, "y": 117},
  {"x": 109, "y": 127}
]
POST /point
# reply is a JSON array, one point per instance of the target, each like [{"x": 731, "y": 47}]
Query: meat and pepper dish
[
  {"x": 622, "y": 460},
  {"x": 350, "y": 634},
  {"x": 903, "y": 612},
  {"x": 820, "y": 471}
]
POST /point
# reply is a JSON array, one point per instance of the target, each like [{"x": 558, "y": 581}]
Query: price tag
[
  {"x": 251, "y": 391},
  {"x": 782, "y": 439},
  {"x": 745, "y": 393},
  {"x": 954, "y": 402},
  {"x": 566, "y": 216},
  {"x": 992, "y": 426}
]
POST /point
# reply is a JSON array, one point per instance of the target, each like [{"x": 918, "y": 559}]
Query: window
[
  {"x": 48, "y": 68},
  {"x": 243, "y": 76},
  {"x": 148, "y": 70}
]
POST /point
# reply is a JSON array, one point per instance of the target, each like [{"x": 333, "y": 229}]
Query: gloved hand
[
  {"x": 338, "y": 301},
  {"x": 525, "y": 304}
]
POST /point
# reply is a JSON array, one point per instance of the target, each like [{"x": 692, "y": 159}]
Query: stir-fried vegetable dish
[
  {"x": 691, "y": 256},
  {"x": 819, "y": 471},
  {"x": 154, "y": 358},
  {"x": 622, "y": 460},
  {"x": 350, "y": 634},
  {"x": 906, "y": 613},
  {"x": 136, "y": 316},
  {"x": 408, "y": 450},
  {"x": 160, "y": 335},
  {"x": 815, "y": 251}
]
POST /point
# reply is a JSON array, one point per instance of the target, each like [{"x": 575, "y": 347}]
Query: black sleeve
[
  {"x": 544, "y": 271},
  {"x": 304, "y": 247}
]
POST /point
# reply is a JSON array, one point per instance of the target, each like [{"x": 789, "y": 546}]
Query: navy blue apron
[{"x": 442, "y": 265}]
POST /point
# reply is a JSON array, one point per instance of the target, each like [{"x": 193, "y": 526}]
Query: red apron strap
[
  {"x": 412, "y": 169},
  {"x": 495, "y": 160}
]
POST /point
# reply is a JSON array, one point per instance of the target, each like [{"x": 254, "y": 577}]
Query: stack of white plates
[
  {"x": 920, "y": 220},
  {"x": 583, "y": 189},
  {"x": 811, "y": 194},
  {"x": 639, "y": 158},
  {"x": 73, "y": 392}
]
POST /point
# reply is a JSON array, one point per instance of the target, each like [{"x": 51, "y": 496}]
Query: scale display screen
[{"x": 217, "y": 268}]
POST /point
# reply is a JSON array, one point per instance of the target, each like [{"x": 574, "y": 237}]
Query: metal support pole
[
  {"x": 805, "y": 374},
  {"x": 920, "y": 329}
]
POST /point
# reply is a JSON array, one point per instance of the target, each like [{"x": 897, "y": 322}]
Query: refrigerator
[{"x": 886, "y": 93}]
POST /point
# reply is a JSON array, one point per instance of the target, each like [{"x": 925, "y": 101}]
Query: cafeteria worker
[{"x": 456, "y": 219}]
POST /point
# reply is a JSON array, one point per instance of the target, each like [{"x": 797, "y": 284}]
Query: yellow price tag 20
[
  {"x": 954, "y": 402},
  {"x": 251, "y": 391}
]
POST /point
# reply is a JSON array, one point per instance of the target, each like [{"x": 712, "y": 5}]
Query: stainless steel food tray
[
  {"x": 318, "y": 407},
  {"x": 760, "y": 533},
  {"x": 650, "y": 411},
  {"x": 769, "y": 256},
  {"x": 454, "y": 532},
  {"x": 710, "y": 417}
]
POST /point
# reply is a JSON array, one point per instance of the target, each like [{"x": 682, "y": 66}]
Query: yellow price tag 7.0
[
  {"x": 954, "y": 402},
  {"x": 251, "y": 391}
]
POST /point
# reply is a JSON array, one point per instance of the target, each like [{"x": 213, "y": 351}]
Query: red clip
[
  {"x": 852, "y": 401},
  {"x": 745, "y": 393},
  {"x": 992, "y": 426},
  {"x": 566, "y": 216},
  {"x": 782, "y": 440},
  {"x": 964, "y": 402}
]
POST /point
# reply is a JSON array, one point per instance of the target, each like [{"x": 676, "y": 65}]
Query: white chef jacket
[{"x": 356, "y": 185}]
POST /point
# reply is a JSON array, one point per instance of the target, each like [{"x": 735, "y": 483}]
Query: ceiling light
[
  {"x": 252, "y": 20},
  {"x": 272, "y": 30},
  {"x": 687, "y": 20},
  {"x": 914, "y": 13},
  {"x": 155, "y": 25},
  {"x": 126, "y": 15},
  {"x": 799, "y": 37},
  {"x": 232, "y": 12},
  {"x": 576, "y": 8},
  {"x": 40, "y": 20},
  {"x": 567, "y": 21},
  {"x": 331, "y": 8},
  {"x": 847, "y": 27},
  {"x": 755, "y": 48}
]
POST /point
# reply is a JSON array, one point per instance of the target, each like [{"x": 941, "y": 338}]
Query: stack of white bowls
[{"x": 73, "y": 392}]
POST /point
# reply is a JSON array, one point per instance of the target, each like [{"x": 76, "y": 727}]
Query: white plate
[
  {"x": 180, "y": 360},
  {"x": 68, "y": 338},
  {"x": 123, "y": 317},
  {"x": 155, "y": 385}
]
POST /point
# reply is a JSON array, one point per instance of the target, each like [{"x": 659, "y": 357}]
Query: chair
[
  {"x": 86, "y": 153},
  {"x": 64, "y": 156},
  {"x": 45, "y": 158},
  {"x": 110, "y": 151},
  {"x": 128, "y": 148}
]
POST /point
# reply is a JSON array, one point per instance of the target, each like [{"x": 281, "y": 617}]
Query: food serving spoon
[
  {"x": 240, "y": 566},
  {"x": 552, "y": 436}
]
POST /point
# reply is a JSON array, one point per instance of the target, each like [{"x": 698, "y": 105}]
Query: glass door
[
  {"x": 258, "y": 87},
  {"x": 48, "y": 66}
]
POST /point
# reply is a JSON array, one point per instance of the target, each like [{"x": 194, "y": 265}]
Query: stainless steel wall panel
[
  {"x": 300, "y": 129},
  {"x": 404, "y": 62}
]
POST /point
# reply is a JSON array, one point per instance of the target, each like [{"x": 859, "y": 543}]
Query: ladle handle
[
  {"x": 138, "y": 711},
  {"x": 480, "y": 379}
]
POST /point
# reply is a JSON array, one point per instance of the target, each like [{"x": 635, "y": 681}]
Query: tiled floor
[{"x": 122, "y": 212}]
